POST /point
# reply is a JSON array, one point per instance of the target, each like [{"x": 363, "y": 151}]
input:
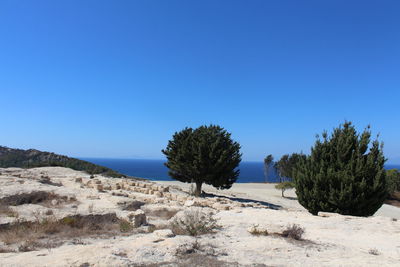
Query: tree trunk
[
  {"x": 283, "y": 190},
  {"x": 197, "y": 193}
]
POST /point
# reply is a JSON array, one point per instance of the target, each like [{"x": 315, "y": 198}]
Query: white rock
[
  {"x": 189, "y": 203},
  {"x": 165, "y": 233},
  {"x": 138, "y": 218}
]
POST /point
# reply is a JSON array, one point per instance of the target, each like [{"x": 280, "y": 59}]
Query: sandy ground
[
  {"x": 267, "y": 193},
  {"x": 333, "y": 240}
]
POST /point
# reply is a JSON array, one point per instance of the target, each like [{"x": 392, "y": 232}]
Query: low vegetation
[
  {"x": 293, "y": 231},
  {"x": 51, "y": 232},
  {"x": 284, "y": 186},
  {"x": 32, "y": 158},
  {"x": 374, "y": 251},
  {"x": 393, "y": 180},
  {"x": 194, "y": 222},
  {"x": 43, "y": 198},
  {"x": 255, "y": 230}
]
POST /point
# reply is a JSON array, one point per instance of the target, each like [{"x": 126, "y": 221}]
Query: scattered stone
[
  {"x": 165, "y": 233},
  {"x": 138, "y": 218},
  {"x": 158, "y": 194},
  {"x": 189, "y": 203}
]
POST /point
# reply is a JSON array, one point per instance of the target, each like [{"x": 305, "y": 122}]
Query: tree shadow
[
  {"x": 291, "y": 198},
  {"x": 245, "y": 200}
]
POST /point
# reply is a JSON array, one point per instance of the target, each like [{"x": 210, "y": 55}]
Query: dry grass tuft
[
  {"x": 257, "y": 231},
  {"x": 43, "y": 198},
  {"x": 50, "y": 232},
  {"x": 374, "y": 251},
  {"x": 293, "y": 231},
  {"x": 194, "y": 222}
]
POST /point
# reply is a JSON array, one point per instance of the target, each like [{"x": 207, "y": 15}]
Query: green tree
[
  {"x": 286, "y": 168},
  {"x": 203, "y": 155},
  {"x": 268, "y": 164},
  {"x": 343, "y": 174},
  {"x": 283, "y": 186},
  {"x": 393, "y": 180}
]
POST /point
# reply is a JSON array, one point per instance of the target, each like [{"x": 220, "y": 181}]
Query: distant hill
[{"x": 10, "y": 157}]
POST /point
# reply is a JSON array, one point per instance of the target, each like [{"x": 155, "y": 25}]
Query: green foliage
[
  {"x": 32, "y": 158},
  {"x": 268, "y": 164},
  {"x": 125, "y": 226},
  {"x": 343, "y": 174},
  {"x": 268, "y": 159},
  {"x": 203, "y": 155},
  {"x": 393, "y": 180},
  {"x": 283, "y": 186},
  {"x": 286, "y": 166}
]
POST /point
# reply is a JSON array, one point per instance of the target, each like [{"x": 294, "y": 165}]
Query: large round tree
[
  {"x": 203, "y": 155},
  {"x": 344, "y": 174}
]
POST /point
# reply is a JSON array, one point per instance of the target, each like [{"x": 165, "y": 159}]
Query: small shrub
[
  {"x": 284, "y": 186},
  {"x": 293, "y": 231},
  {"x": 193, "y": 222},
  {"x": 125, "y": 226},
  {"x": 256, "y": 231},
  {"x": 374, "y": 251},
  {"x": 70, "y": 221}
]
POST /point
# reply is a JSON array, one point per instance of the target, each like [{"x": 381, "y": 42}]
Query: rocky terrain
[{"x": 54, "y": 216}]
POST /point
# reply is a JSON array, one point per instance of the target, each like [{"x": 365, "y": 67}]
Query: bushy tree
[
  {"x": 203, "y": 155},
  {"x": 286, "y": 167},
  {"x": 343, "y": 174},
  {"x": 393, "y": 180}
]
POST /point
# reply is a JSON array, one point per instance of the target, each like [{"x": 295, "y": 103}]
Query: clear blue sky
[{"x": 118, "y": 78}]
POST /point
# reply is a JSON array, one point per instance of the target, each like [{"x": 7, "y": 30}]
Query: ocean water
[
  {"x": 250, "y": 172},
  {"x": 156, "y": 170}
]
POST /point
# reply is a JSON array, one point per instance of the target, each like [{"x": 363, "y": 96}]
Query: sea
[{"x": 250, "y": 171}]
